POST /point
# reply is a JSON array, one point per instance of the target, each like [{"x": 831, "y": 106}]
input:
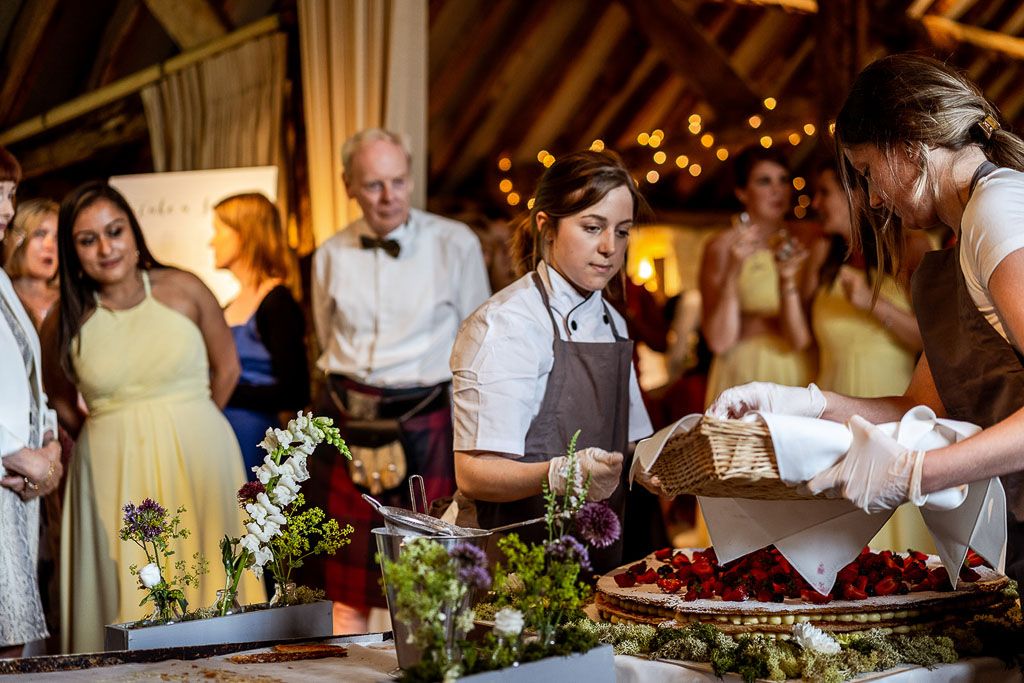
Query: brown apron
[
  {"x": 978, "y": 374},
  {"x": 588, "y": 390}
]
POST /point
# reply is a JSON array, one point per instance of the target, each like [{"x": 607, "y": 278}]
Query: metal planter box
[
  {"x": 595, "y": 666},
  {"x": 275, "y": 623}
]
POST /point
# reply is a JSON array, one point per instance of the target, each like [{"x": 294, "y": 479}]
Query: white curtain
[
  {"x": 364, "y": 65},
  {"x": 224, "y": 112}
]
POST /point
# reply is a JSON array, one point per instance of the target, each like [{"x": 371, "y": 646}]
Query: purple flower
[
  {"x": 145, "y": 521},
  {"x": 568, "y": 549},
  {"x": 471, "y": 565},
  {"x": 468, "y": 555},
  {"x": 598, "y": 524},
  {"x": 475, "y": 578}
]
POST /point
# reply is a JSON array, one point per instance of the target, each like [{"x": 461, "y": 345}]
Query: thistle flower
[{"x": 598, "y": 525}]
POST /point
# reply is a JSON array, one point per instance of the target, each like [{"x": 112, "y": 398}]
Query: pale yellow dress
[
  {"x": 859, "y": 357},
  {"x": 153, "y": 431},
  {"x": 762, "y": 357}
]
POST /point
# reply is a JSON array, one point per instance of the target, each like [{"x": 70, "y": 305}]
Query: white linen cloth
[
  {"x": 503, "y": 357},
  {"x": 819, "y": 537},
  {"x": 391, "y": 322}
]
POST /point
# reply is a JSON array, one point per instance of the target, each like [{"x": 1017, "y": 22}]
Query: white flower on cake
[
  {"x": 508, "y": 622},
  {"x": 150, "y": 575},
  {"x": 810, "y": 637}
]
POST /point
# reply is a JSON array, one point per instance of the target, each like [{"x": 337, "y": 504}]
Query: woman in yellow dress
[
  {"x": 866, "y": 348},
  {"x": 149, "y": 350},
  {"x": 753, "y": 284}
]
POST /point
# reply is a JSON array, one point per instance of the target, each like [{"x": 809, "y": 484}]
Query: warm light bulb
[
  {"x": 794, "y": 139},
  {"x": 655, "y": 141},
  {"x": 530, "y": 202},
  {"x": 803, "y": 200},
  {"x": 505, "y": 185},
  {"x": 809, "y": 128},
  {"x": 653, "y": 176},
  {"x": 660, "y": 157},
  {"x": 695, "y": 170},
  {"x": 548, "y": 160},
  {"x": 513, "y": 198},
  {"x": 682, "y": 161},
  {"x": 754, "y": 121},
  {"x": 694, "y": 128},
  {"x": 766, "y": 141},
  {"x": 707, "y": 139},
  {"x": 541, "y": 155},
  {"x": 504, "y": 163},
  {"x": 722, "y": 153},
  {"x": 694, "y": 119},
  {"x": 799, "y": 183},
  {"x": 799, "y": 211},
  {"x": 643, "y": 138},
  {"x": 769, "y": 103},
  {"x": 597, "y": 145},
  {"x": 645, "y": 270}
]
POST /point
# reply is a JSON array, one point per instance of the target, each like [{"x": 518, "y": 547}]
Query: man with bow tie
[{"x": 388, "y": 294}]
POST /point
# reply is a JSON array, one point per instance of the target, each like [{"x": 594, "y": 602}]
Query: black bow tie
[{"x": 389, "y": 247}]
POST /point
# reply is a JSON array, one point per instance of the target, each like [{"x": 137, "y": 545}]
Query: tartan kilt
[{"x": 352, "y": 575}]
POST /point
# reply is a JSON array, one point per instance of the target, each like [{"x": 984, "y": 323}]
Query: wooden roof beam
[
  {"x": 683, "y": 45},
  {"x": 942, "y": 30},
  {"x": 577, "y": 81},
  {"x": 25, "y": 40},
  {"x": 122, "y": 22},
  {"x": 189, "y": 23}
]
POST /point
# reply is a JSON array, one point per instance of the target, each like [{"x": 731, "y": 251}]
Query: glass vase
[
  {"x": 284, "y": 594},
  {"x": 165, "y": 611},
  {"x": 227, "y": 602}
]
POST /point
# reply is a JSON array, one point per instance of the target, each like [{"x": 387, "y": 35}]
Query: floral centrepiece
[
  {"x": 281, "y": 530},
  {"x": 432, "y": 586},
  {"x": 149, "y": 526},
  {"x": 538, "y": 589}
]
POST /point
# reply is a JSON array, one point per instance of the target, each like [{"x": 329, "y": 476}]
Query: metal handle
[
  {"x": 416, "y": 482},
  {"x": 516, "y": 525}
]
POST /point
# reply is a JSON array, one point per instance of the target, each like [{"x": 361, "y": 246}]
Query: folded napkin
[{"x": 819, "y": 537}]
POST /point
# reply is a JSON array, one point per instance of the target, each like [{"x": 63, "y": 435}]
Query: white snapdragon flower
[
  {"x": 150, "y": 575},
  {"x": 263, "y": 533},
  {"x": 508, "y": 623},
  {"x": 261, "y": 554},
  {"x": 298, "y": 465},
  {"x": 286, "y": 490},
  {"x": 810, "y": 637}
]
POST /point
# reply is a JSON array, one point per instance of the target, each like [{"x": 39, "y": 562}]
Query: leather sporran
[{"x": 378, "y": 459}]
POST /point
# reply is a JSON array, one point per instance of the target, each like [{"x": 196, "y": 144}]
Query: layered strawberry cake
[{"x": 761, "y": 593}]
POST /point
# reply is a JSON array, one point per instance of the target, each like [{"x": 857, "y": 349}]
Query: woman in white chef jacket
[{"x": 547, "y": 356}]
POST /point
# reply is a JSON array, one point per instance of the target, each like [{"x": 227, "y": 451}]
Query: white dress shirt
[
  {"x": 390, "y": 322},
  {"x": 503, "y": 356}
]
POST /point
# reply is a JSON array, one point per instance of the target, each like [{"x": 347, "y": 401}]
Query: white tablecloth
[{"x": 372, "y": 663}]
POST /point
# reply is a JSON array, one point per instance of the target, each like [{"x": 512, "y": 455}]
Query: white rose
[
  {"x": 810, "y": 637},
  {"x": 508, "y": 623},
  {"x": 150, "y": 575}
]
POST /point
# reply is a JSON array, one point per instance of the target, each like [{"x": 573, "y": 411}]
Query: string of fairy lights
[{"x": 691, "y": 163}]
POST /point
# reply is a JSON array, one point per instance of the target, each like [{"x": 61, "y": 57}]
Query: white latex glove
[
  {"x": 876, "y": 474},
  {"x": 602, "y": 467},
  {"x": 769, "y": 398}
]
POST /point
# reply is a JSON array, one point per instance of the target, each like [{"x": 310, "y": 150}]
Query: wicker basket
[{"x": 723, "y": 459}]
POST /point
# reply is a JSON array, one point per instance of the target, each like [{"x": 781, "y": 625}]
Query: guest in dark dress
[{"x": 266, "y": 321}]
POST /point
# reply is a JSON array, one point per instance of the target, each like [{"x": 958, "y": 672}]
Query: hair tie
[{"x": 989, "y": 126}]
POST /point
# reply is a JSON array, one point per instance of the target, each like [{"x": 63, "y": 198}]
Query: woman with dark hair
[
  {"x": 754, "y": 286},
  {"x": 149, "y": 351},
  {"x": 267, "y": 323},
  {"x": 923, "y": 148},
  {"x": 548, "y": 355},
  {"x": 30, "y": 464}
]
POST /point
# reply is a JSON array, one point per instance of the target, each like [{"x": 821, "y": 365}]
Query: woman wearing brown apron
[
  {"x": 546, "y": 356},
  {"x": 922, "y": 149}
]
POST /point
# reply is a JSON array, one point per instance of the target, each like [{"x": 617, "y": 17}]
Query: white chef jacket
[
  {"x": 390, "y": 322},
  {"x": 503, "y": 356}
]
